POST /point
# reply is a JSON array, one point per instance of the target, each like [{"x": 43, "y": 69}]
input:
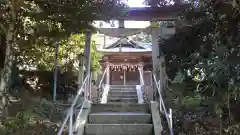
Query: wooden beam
[
  {"x": 152, "y": 13},
  {"x": 148, "y": 53},
  {"x": 124, "y": 32}
]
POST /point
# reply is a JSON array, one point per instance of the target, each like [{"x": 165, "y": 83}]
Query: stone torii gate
[
  {"x": 152, "y": 14},
  {"x": 121, "y": 32}
]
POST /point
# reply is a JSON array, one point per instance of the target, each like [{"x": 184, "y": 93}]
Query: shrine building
[{"x": 124, "y": 59}]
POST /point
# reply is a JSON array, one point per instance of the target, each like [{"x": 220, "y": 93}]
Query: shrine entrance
[
  {"x": 125, "y": 59},
  {"x": 132, "y": 78},
  {"x": 127, "y": 78},
  {"x": 124, "y": 74},
  {"x": 125, "y": 62}
]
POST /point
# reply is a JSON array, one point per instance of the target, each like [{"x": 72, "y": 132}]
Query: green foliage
[
  {"x": 206, "y": 51},
  {"x": 179, "y": 78},
  {"x": 40, "y": 24},
  {"x": 192, "y": 101},
  {"x": 42, "y": 56},
  {"x": 233, "y": 129},
  {"x": 30, "y": 30},
  {"x": 17, "y": 123},
  {"x": 142, "y": 38}
]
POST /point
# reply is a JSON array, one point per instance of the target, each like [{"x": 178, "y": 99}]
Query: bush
[{"x": 17, "y": 123}]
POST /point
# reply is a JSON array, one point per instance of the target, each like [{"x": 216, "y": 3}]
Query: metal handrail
[
  {"x": 141, "y": 77},
  {"x": 70, "y": 111},
  {"x": 168, "y": 116},
  {"x": 101, "y": 81},
  {"x": 100, "y": 84},
  {"x": 170, "y": 110}
]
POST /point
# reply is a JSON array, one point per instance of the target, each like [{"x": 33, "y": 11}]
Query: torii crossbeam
[{"x": 166, "y": 13}]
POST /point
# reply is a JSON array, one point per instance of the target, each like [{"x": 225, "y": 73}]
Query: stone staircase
[
  {"x": 119, "y": 119},
  {"x": 124, "y": 94},
  {"x": 121, "y": 115}
]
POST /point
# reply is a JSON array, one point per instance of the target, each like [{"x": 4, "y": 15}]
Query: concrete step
[
  {"x": 120, "y": 118},
  {"x": 120, "y": 107},
  {"x": 118, "y": 129},
  {"x": 119, "y": 99},
  {"x": 123, "y": 89},
  {"x": 122, "y": 86},
  {"x": 119, "y": 93},
  {"x": 122, "y": 96}
]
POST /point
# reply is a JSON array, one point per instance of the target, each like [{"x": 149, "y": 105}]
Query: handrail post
[
  {"x": 71, "y": 122},
  {"x": 98, "y": 94},
  {"x": 90, "y": 87},
  {"x": 160, "y": 105},
  {"x": 108, "y": 75},
  {"x": 141, "y": 77},
  {"x": 85, "y": 90},
  {"x": 160, "y": 99},
  {"x": 155, "y": 88},
  {"x": 100, "y": 83},
  {"x": 124, "y": 77},
  {"x": 170, "y": 118}
]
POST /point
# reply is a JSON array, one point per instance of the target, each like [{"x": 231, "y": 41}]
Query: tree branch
[{"x": 13, "y": 11}]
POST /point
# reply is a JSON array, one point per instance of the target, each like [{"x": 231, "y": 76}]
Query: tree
[
  {"x": 207, "y": 47},
  {"x": 142, "y": 38},
  {"x": 24, "y": 21},
  {"x": 41, "y": 57},
  {"x": 8, "y": 27}
]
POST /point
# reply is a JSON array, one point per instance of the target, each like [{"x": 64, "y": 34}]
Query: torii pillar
[
  {"x": 155, "y": 33},
  {"x": 155, "y": 53}
]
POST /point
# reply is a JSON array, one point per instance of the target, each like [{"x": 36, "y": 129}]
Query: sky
[
  {"x": 136, "y": 24},
  {"x": 136, "y": 3},
  {"x": 131, "y": 24}
]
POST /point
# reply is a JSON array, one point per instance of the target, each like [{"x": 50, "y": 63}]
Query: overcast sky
[
  {"x": 130, "y": 24},
  {"x": 136, "y": 24},
  {"x": 136, "y": 3}
]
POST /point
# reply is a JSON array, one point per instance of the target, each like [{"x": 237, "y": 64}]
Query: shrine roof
[
  {"x": 126, "y": 45},
  {"x": 124, "y": 42},
  {"x": 125, "y": 49}
]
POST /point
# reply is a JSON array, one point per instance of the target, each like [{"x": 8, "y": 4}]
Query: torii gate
[
  {"x": 120, "y": 32},
  {"x": 153, "y": 14}
]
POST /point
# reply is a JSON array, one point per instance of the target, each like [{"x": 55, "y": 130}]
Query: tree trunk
[
  {"x": 2, "y": 51},
  {"x": 6, "y": 72}
]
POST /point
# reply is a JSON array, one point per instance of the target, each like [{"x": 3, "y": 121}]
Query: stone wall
[{"x": 147, "y": 93}]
